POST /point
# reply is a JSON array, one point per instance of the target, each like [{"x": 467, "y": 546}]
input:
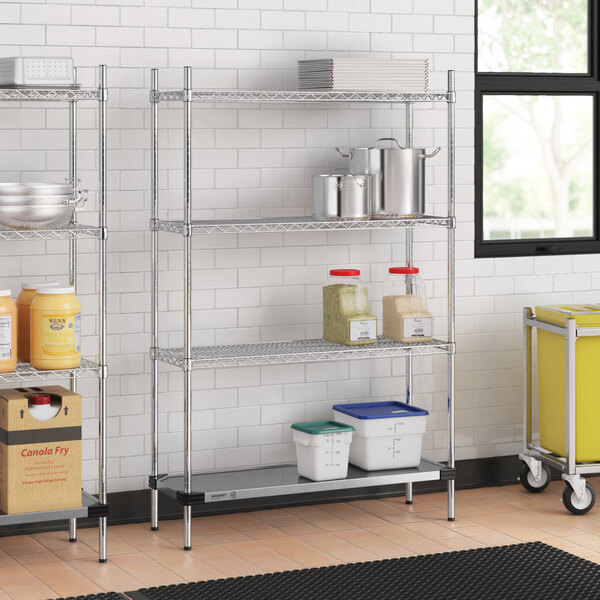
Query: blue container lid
[{"x": 380, "y": 410}]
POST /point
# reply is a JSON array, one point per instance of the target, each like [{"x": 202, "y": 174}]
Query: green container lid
[{"x": 316, "y": 427}]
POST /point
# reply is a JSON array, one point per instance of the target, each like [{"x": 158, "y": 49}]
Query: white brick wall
[{"x": 253, "y": 161}]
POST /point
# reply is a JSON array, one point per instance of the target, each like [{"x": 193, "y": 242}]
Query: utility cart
[{"x": 566, "y": 397}]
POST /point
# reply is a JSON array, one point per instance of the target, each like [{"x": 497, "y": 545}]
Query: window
[{"x": 537, "y": 92}]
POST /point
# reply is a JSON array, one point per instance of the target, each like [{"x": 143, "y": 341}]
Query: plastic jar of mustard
[
  {"x": 347, "y": 318},
  {"x": 24, "y": 300},
  {"x": 405, "y": 315},
  {"x": 8, "y": 333},
  {"x": 55, "y": 329}
]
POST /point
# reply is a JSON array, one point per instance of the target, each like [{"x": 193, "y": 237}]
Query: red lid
[
  {"x": 40, "y": 399},
  {"x": 344, "y": 272},
  {"x": 403, "y": 270}
]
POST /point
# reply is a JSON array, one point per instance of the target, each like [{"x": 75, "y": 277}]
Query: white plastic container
[
  {"x": 37, "y": 71},
  {"x": 388, "y": 435},
  {"x": 322, "y": 449},
  {"x": 43, "y": 407}
]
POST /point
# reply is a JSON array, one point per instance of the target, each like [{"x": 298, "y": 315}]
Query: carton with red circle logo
[{"x": 40, "y": 449}]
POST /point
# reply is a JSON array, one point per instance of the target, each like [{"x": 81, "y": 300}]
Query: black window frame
[{"x": 498, "y": 83}]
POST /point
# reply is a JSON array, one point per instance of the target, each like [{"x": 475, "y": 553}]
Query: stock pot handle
[
  {"x": 341, "y": 153},
  {"x": 360, "y": 181},
  {"x": 78, "y": 199},
  {"x": 389, "y": 140},
  {"x": 424, "y": 156}
]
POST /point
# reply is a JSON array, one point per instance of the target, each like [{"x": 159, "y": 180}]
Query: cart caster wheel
[
  {"x": 529, "y": 483},
  {"x": 574, "y": 505}
]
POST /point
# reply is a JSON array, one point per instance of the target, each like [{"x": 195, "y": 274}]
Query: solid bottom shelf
[
  {"x": 89, "y": 508},
  {"x": 282, "y": 480}
]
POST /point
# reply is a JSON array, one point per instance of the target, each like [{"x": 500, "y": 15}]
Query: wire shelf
[
  {"x": 286, "y": 224},
  {"x": 299, "y": 96},
  {"x": 25, "y": 372},
  {"x": 297, "y": 351},
  {"x": 49, "y": 94},
  {"x": 64, "y": 233}
]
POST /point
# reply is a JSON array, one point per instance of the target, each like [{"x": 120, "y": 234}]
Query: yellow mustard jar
[
  {"x": 24, "y": 300},
  {"x": 55, "y": 329},
  {"x": 8, "y": 333}
]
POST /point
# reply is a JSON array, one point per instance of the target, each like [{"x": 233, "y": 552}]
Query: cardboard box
[{"x": 40, "y": 461}]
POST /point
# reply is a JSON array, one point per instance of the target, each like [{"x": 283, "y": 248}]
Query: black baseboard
[{"x": 134, "y": 506}]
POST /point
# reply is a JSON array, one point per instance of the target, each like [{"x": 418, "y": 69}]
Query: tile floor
[{"x": 46, "y": 565}]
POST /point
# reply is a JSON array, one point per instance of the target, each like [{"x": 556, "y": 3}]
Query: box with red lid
[{"x": 40, "y": 449}]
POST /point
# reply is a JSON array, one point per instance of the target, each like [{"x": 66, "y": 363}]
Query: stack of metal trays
[
  {"x": 38, "y": 205},
  {"x": 406, "y": 75}
]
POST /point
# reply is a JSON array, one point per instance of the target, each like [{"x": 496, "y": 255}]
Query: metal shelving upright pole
[
  {"x": 409, "y": 263},
  {"x": 154, "y": 259},
  {"x": 73, "y": 244},
  {"x": 187, "y": 303},
  {"x": 451, "y": 285},
  {"x": 102, "y": 479}
]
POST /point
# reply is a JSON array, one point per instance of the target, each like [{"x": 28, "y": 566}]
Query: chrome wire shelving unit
[
  {"x": 91, "y": 506},
  {"x": 192, "y": 489}
]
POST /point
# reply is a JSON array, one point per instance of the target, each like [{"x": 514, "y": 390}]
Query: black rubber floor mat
[
  {"x": 103, "y": 596},
  {"x": 532, "y": 571}
]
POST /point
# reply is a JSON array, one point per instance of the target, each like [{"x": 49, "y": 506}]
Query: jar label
[
  {"x": 418, "y": 327},
  {"x": 363, "y": 330},
  {"x": 5, "y": 337},
  {"x": 61, "y": 334}
]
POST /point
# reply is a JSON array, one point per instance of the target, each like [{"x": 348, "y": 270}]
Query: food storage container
[
  {"x": 405, "y": 315},
  {"x": 342, "y": 197},
  {"x": 8, "y": 332},
  {"x": 43, "y": 407},
  {"x": 388, "y": 435},
  {"x": 55, "y": 329},
  {"x": 552, "y": 381},
  {"x": 322, "y": 449},
  {"x": 38, "y": 71},
  {"x": 24, "y": 300},
  {"x": 347, "y": 318}
]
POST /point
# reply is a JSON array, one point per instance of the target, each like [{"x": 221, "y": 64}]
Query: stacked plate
[{"x": 406, "y": 75}]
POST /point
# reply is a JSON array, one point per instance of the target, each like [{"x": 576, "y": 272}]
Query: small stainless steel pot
[
  {"x": 399, "y": 189},
  {"x": 342, "y": 197}
]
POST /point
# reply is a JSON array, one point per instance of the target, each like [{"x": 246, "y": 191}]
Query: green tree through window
[{"x": 536, "y": 104}]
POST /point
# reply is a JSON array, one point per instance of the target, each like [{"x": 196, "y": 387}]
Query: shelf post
[
  {"x": 187, "y": 302},
  {"x": 73, "y": 243},
  {"x": 571, "y": 432},
  {"x": 154, "y": 259},
  {"x": 409, "y": 263},
  {"x": 103, "y": 96},
  {"x": 527, "y": 397},
  {"x": 451, "y": 287}
]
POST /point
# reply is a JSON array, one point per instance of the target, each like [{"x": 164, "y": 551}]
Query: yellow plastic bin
[{"x": 552, "y": 382}]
